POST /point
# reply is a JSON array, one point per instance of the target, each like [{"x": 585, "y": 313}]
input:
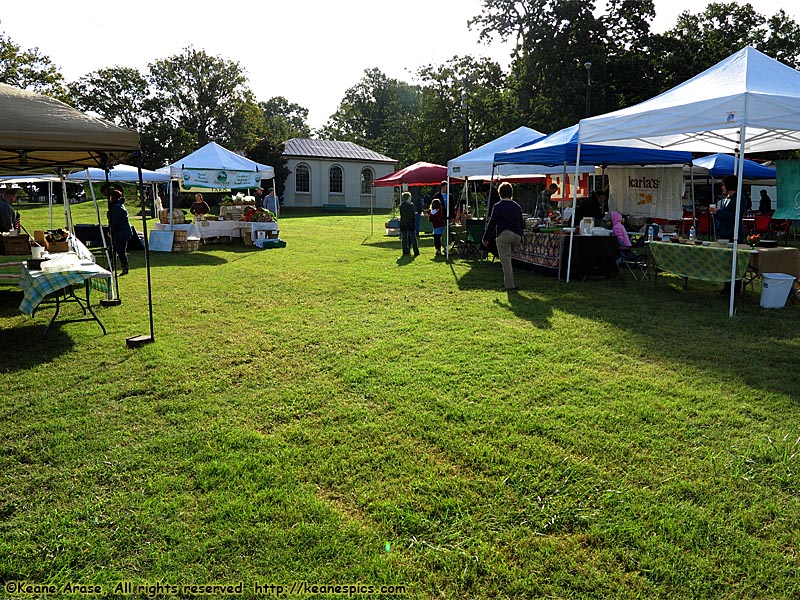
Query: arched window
[
  {"x": 302, "y": 179},
  {"x": 336, "y": 179},
  {"x": 367, "y": 177}
]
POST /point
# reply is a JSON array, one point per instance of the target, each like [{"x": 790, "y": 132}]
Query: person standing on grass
[
  {"x": 408, "y": 231},
  {"x": 505, "y": 227},
  {"x": 119, "y": 227},
  {"x": 436, "y": 217},
  {"x": 9, "y": 219}
]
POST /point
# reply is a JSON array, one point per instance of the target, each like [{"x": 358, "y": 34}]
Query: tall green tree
[
  {"x": 29, "y": 69},
  {"x": 698, "y": 41},
  {"x": 284, "y": 120},
  {"x": 268, "y": 151},
  {"x": 377, "y": 112},
  {"x": 553, "y": 40},
  {"x": 204, "y": 98},
  {"x": 116, "y": 93},
  {"x": 464, "y": 105}
]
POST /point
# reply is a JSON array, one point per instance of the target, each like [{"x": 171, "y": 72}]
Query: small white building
[{"x": 337, "y": 174}]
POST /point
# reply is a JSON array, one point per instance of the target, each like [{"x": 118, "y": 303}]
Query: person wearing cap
[
  {"x": 119, "y": 227},
  {"x": 8, "y": 216}
]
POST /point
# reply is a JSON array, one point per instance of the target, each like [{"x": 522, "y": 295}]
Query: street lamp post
[
  {"x": 465, "y": 112},
  {"x": 588, "y": 67}
]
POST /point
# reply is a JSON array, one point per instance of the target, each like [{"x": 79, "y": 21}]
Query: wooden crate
[
  {"x": 186, "y": 246},
  {"x": 17, "y": 245}
]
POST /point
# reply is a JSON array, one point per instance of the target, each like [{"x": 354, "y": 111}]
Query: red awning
[{"x": 418, "y": 174}]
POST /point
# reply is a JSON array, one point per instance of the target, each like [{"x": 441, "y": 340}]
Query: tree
[
  {"x": 117, "y": 93},
  {"x": 464, "y": 105},
  {"x": 202, "y": 98},
  {"x": 284, "y": 120},
  {"x": 269, "y": 152},
  {"x": 698, "y": 41},
  {"x": 376, "y": 112},
  {"x": 553, "y": 41},
  {"x": 29, "y": 70}
]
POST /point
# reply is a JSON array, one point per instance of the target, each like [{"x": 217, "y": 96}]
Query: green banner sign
[{"x": 788, "y": 180}]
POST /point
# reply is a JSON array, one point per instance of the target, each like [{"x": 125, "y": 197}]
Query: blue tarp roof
[
  {"x": 720, "y": 165},
  {"x": 562, "y": 147}
]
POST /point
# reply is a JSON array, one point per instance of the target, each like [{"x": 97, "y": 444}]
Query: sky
[{"x": 310, "y": 52}]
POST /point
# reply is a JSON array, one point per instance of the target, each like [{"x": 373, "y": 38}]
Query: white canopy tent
[
  {"x": 213, "y": 166},
  {"x": 747, "y": 103}
]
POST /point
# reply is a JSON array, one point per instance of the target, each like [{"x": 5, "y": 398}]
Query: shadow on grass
[
  {"x": 25, "y": 347},
  {"x": 10, "y": 299}
]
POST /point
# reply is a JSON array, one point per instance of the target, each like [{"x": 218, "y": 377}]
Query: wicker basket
[
  {"x": 186, "y": 246},
  {"x": 179, "y": 235}
]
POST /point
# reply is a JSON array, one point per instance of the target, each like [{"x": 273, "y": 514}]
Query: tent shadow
[
  {"x": 25, "y": 347},
  {"x": 9, "y": 302}
]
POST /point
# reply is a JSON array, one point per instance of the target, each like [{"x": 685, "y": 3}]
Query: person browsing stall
[
  {"x": 436, "y": 217},
  {"x": 9, "y": 218},
  {"x": 505, "y": 227},
  {"x": 408, "y": 231},
  {"x": 119, "y": 227},
  {"x": 199, "y": 207},
  {"x": 271, "y": 202}
]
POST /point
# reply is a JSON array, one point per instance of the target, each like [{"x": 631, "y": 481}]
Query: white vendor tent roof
[
  {"x": 39, "y": 133},
  {"x": 213, "y": 157},
  {"x": 121, "y": 174},
  {"x": 704, "y": 114}
]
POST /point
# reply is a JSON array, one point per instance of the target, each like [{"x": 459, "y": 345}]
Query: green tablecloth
[{"x": 707, "y": 263}]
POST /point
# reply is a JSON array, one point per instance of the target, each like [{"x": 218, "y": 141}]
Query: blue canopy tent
[
  {"x": 720, "y": 165},
  {"x": 561, "y": 148}
]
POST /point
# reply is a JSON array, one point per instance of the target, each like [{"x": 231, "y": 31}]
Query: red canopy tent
[{"x": 418, "y": 174}]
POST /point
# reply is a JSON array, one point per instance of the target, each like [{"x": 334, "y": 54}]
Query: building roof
[{"x": 310, "y": 148}]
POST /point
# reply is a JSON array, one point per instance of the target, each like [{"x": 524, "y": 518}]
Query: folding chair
[
  {"x": 635, "y": 264},
  {"x": 472, "y": 245}
]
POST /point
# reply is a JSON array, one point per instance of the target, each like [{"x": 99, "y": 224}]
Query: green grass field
[{"x": 331, "y": 414}]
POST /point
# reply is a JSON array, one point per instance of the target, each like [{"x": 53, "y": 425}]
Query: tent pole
[
  {"x": 563, "y": 187},
  {"x": 574, "y": 202},
  {"x": 50, "y": 201},
  {"x": 113, "y": 291},
  {"x": 739, "y": 174},
  {"x": 140, "y": 340},
  {"x": 694, "y": 207},
  {"x": 446, "y": 209},
  {"x": 67, "y": 212}
]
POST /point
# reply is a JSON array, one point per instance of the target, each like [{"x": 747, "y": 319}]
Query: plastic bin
[{"x": 775, "y": 288}]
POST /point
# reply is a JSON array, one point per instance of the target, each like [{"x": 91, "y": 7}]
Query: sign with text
[
  {"x": 220, "y": 178},
  {"x": 646, "y": 192}
]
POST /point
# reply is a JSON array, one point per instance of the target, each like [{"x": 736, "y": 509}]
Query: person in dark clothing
[
  {"x": 442, "y": 197},
  {"x": 764, "y": 203},
  {"x": 592, "y": 206},
  {"x": 505, "y": 226},
  {"x": 494, "y": 198},
  {"x": 408, "y": 232},
  {"x": 725, "y": 212},
  {"x": 119, "y": 227},
  {"x": 417, "y": 213},
  {"x": 8, "y": 216}
]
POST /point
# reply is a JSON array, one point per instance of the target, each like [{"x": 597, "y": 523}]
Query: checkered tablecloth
[
  {"x": 38, "y": 284},
  {"x": 707, "y": 263}
]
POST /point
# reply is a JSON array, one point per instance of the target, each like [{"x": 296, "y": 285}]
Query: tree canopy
[{"x": 569, "y": 60}]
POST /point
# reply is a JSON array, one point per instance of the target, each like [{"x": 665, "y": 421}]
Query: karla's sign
[{"x": 646, "y": 192}]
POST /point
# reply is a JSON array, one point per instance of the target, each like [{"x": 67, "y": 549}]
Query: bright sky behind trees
[{"x": 310, "y": 52}]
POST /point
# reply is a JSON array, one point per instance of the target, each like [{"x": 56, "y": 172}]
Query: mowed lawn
[{"x": 331, "y": 414}]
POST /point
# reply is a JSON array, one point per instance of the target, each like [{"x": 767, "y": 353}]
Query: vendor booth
[
  {"x": 748, "y": 102},
  {"x": 547, "y": 245},
  {"x": 39, "y": 134},
  {"x": 213, "y": 167}
]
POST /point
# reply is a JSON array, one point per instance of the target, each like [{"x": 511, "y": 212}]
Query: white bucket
[{"x": 775, "y": 288}]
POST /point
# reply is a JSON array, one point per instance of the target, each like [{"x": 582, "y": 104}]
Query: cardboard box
[
  {"x": 38, "y": 235},
  {"x": 54, "y": 247},
  {"x": 15, "y": 245}
]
